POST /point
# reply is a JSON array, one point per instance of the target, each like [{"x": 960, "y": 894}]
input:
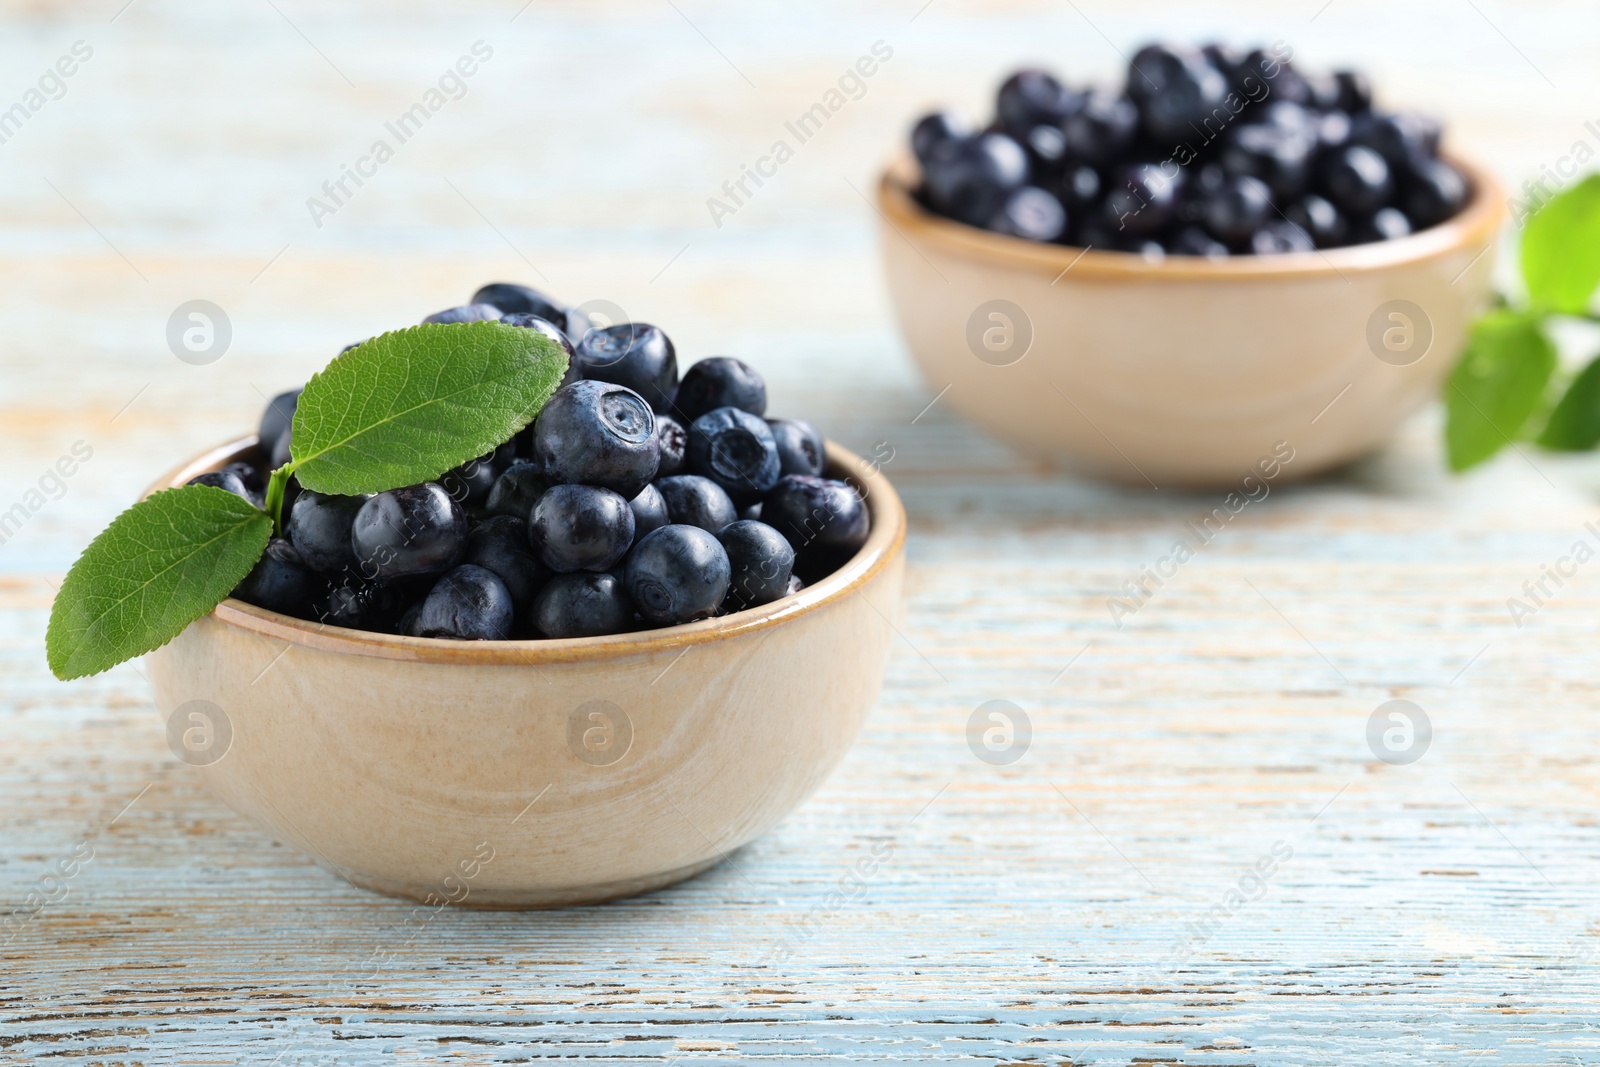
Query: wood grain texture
[{"x": 1051, "y": 911}]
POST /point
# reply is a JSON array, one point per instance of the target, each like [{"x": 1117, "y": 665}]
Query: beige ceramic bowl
[
  {"x": 1185, "y": 371},
  {"x": 526, "y": 774}
]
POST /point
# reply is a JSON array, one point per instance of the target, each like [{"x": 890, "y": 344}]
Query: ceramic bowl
[
  {"x": 1184, "y": 371},
  {"x": 530, "y": 774}
]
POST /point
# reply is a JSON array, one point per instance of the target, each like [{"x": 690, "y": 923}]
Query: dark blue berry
[
  {"x": 760, "y": 561},
  {"x": 513, "y": 299},
  {"x": 677, "y": 574},
  {"x": 800, "y": 446},
  {"x": 1319, "y": 218},
  {"x": 1102, "y": 129},
  {"x": 1032, "y": 97},
  {"x": 1279, "y": 237},
  {"x": 362, "y": 605},
  {"x": 736, "y": 450},
  {"x": 582, "y": 605},
  {"x": 674, "y": 442},
  {"x": 466, "y": 313},
  {"x": 1101, "y": 232},
  {"x": 1144, "y": 198},
  {"x": 1202, "y": 183},
  {"x": 696, "y": 501},
  {"x": 1156, "y": 67},
  {"x": 500, "y": 544},
  {"x": 276, "y": 418},
  {"x": 1224, "y": 56},
  {"x": 1262, "y": 74},
  {"x": 1403, "y": 138},
  {"x": 1287, "y": 116},
  {"x": 470, "y": 483},
  {"x": 291, "y": 493},
  {"x": 649, "y": 511},
  {"x": 280, "y": 581},
  {"x": 970, "y": 180},
  {"x": 1282, "y": 158},
  {"x": 1358, "y": 180},
  {"x": 1078, "y": 188},
  {"x": 467, "y": 604},
  {"x": 1324, "y": 89},
  {"x": 817, "y": 512},
  {"x": 1355, "y": 91},
  {"x": 1238, "y": 209},
  {"x": 281, "y": 449},
  {"x": 720, "y": 382},
  {"x": 529, "y": 321},
  {"x": 248, "y": 474},
  {"x": 228, "y": 482},
  {"x": 1189, "y": 95},
  {"x": 411, "y": 531},
  {"x": 580, "y": 528},
  {"x": 597, "y": 433},
  {"x": 1385, "y": 224},
  {"x": 631, "y": 354},
  {"x": 516, "y": 491},
  {"x": 936, "y": 129},
  {"x": 1031, "y": 213},
  {"x": 1436, "y": 191},
  {"x": 1332, "y": 130},
  {"x": 1193, "y": 241},
  {"x": 1047, "y": 154},
  {"x": 319, "y": 527}
]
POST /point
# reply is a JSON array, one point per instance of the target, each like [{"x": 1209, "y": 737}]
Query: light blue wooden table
[{"x": 1198, "y": 860}]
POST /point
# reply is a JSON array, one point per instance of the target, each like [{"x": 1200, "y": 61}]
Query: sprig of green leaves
[
  {"x": 159, "y": 566},
  {"x": 407, "y": 406},
  {"x": 1503, "y": 382},
  {"x": 399, "y": 409}
]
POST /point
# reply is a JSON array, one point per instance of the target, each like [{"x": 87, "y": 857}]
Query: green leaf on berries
[
  {"x": 405, "y": 407},
  {"x": 1561, "y": 249},
  {"x": 1496, "y": 386},
  {"x": 159, "y": 566},
  {"x": 1574, "y": 425}
]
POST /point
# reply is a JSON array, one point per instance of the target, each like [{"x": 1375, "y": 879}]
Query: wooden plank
[{"x": 1070, "y": 907}]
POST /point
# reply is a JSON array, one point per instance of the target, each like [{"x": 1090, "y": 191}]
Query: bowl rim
[
  {"x": 885, "y": 543},
  {"x": 1478, "y": 222}
]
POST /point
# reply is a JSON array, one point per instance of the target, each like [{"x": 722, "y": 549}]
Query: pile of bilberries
[
  {"x": 1203, "y": 152},
  {"x": 633, "y": 500}
]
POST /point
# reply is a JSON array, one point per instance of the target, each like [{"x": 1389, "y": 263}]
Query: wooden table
[{"x": 1070, "y": 907}]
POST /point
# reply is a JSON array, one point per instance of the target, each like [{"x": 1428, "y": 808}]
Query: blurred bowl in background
[{"x": 1184, "y": 371}]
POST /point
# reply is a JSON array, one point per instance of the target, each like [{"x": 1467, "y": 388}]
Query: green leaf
[
  {"x": 1574, "y": 425},
  {"x": 1561, "y": 249},
  {"x": 159, "y": 566},
  {"x": 407, "y": 406},
  {"x": 1497, "y": 384}
]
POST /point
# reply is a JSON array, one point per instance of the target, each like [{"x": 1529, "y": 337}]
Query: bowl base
[{"x": 533, "y": 899}]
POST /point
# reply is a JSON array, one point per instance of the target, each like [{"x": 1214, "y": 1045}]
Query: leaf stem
[{"x": 275, "y": 487}]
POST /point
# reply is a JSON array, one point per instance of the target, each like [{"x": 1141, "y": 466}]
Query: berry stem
[{"x": 275, "y": 487}]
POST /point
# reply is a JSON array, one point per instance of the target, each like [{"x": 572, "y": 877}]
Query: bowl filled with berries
[
  {"x": 495, "y": 614},
  {"x": 1172, "y": 281}
]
